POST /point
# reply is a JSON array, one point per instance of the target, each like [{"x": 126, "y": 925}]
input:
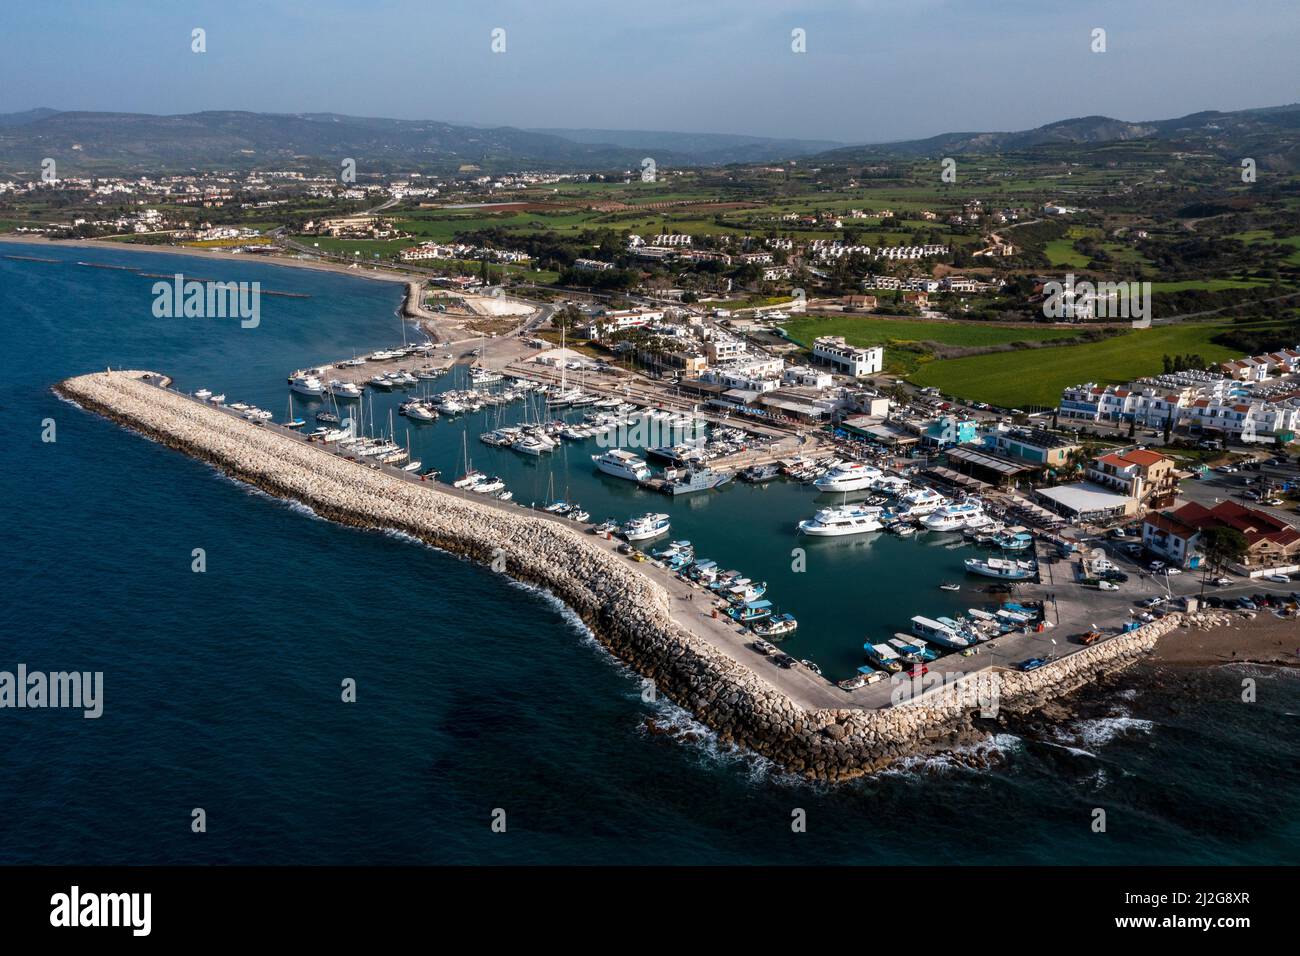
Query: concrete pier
[{"x": 658, "y": 624}]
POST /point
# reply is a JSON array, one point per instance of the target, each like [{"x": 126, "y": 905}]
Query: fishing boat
[
  {"x": 203, "y": 394},
  {"x": 622, "y": 464},
  {"x": 412, "y": 466},
  {"x": 218, "y": 399},
  {"x": 506, "y": 495},
  {"x": 832, "y": 522},
  {"x": 649, "y": 525},
  {"x": 903, "y": 529},
  {"x": 949, "y": 586},
  {"x": 759, "y": 474},
  {"x": 937, "y": 633},
  {"x": 914, "y": 646},
  {"x": 777, "y": 626},
  {"x": 847, "y": 476},
  {"x": 743, "y": 593},
  {"x": 884, "y": 657},
  {"x": 751, "y": 611},
  {"x": 811, "y": 666},
  {"x": 1002, "y": 568},
  {"x": 673, "y": 548},
  {"x": 577, "y": 514},
  {"x": 327, "y": 417},
  {"x": 608, "y": 526},
  {"x": 1014, "y": 541}
]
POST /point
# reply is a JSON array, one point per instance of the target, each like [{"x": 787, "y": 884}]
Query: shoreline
[
  {"x": 639, "y": 613},
  {"x": 277, "y": 258},
  {"x": 1263, "y": 639}
]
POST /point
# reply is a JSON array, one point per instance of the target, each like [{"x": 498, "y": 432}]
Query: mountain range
[{"x": 140, "y": 142}]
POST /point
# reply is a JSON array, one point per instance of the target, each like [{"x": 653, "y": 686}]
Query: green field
[
  {"x": 1036, "y": 377},
  {"x": 869, "y": 330},
  {"x": 905, "y": 336}
]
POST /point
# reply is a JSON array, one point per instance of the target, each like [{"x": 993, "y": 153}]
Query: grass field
[
  {"x": 904, "y": 354},
  {"x": 1036, "y": 377}
]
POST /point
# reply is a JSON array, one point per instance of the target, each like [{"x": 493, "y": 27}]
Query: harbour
[{"x": 477, "y": 659}]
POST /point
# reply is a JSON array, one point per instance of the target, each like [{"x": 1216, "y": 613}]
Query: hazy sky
[{"x": 874, "y": 70}]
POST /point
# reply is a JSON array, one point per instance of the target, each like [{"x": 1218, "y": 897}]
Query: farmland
[{"x": 1036, "y": 377}]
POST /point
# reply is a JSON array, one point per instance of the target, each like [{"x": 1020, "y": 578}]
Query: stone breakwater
[{"x": 628, "y": 612}]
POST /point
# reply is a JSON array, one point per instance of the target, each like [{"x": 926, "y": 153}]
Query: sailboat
[
  {"x": 290, "y": 421},
  {"x": 471, "y": 477}
]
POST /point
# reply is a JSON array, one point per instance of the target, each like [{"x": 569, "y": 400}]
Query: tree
[{"x": 1221, "y": 547}]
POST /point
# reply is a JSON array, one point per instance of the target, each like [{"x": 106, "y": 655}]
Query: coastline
[
  {"x": 279, "y": 258},
  {"x": 1259, "y": 639},
  {"x": 815, "y": 731}
]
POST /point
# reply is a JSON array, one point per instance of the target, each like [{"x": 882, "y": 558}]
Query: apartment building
[{"x": 849, "y": 359}]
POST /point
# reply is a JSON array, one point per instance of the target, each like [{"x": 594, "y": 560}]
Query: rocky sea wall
[{"x": 628, "y": 612}]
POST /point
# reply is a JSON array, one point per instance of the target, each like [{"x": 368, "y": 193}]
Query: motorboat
[
  {"x": 622, "y": 464},
  {"x": 832, "y": 522},
  {"x": 848, "y": 476},
  {"x": 953, "y": 517},
  {"x": 306, "y": 385}
]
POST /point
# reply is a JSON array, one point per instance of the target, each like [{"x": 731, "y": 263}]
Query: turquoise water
[{"x": 222, "y": 688}]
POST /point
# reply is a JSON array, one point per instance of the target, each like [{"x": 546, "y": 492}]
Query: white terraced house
[{"x": 1219, "y": 406}]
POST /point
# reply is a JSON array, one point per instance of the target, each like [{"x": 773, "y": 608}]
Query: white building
[{"x": 849, "y": 359}]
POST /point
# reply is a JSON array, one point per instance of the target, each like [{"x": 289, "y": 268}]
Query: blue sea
[{"x": 475, "y": 696}]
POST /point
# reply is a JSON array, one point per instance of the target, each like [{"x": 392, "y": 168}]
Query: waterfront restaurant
[
  {"x": 990, "y": 468},
  {"x": 1084, "y": 501}
]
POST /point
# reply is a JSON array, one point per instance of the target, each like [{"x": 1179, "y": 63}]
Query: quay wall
[{"x": 628, "y": 612}]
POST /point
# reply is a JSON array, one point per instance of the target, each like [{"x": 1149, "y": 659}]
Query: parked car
[
  {"x": 1031, "y": 664},
  {"x": 1156, "y": 566},
  {"x": 1278, "y": 579}
]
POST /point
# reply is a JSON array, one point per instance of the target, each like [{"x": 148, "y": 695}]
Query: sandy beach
[
  {"x": 1265, "y": 639},
  {"x": 279, "y": 259}
]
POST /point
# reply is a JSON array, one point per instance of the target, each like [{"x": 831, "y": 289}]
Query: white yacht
[
  {"x": 622, "y": 464},
  {"x": 646, "y": 526},
  {"x": 530, "y": 445},
  {"x": 343, "y": 391},
  {"x": 954, "y": 517},
  {"x": 921, "y": 501},
  {"x": 848, "y": 476},
  {"x": 306, "y": 385},
  {"x": 831, "y": 522}
]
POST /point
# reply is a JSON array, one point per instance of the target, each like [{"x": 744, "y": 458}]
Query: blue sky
[{"x": 874, "y": 70}]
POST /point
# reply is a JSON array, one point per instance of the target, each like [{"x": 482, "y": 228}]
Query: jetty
[{"x": 656, "y": 623}]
